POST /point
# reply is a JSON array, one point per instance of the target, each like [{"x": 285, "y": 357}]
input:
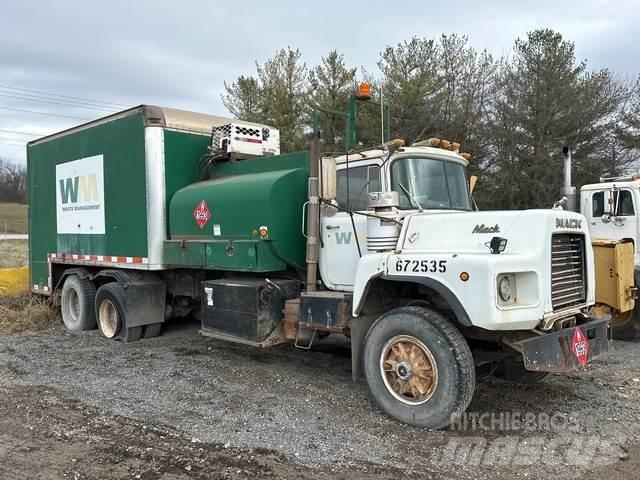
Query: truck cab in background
[{"x": 611, "y": 209}]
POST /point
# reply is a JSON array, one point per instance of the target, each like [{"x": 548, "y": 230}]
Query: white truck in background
[{"x": 611, "y": 210}]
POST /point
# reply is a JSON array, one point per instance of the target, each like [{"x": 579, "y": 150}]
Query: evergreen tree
[{"x": 331, "y": 84}]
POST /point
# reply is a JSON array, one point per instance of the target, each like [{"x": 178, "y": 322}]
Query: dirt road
[{"x": 183, "y": 406}]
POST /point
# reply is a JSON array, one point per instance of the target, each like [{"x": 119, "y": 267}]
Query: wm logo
[
  {"x": 83, "y": 188},
  {"x": 343, "y": 238}
]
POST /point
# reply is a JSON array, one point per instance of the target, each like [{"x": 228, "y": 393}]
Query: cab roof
[
  {"x": 432, "y": 152},
  {"x": 606, "y": 185}
]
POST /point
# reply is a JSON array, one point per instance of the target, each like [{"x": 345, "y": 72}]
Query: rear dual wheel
[
  {"x": 77, "y": 303},
  {"x": 111, "y": 315}
]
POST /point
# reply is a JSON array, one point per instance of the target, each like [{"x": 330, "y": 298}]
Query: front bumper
[{"x": 567, "y": 349}]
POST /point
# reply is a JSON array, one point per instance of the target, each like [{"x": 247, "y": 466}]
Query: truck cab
[
  {"x": 429, "y": 176},
  {"x": 611, "y": 210}
]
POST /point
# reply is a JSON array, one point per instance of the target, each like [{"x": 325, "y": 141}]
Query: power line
[
  {"x": 119, "y": 105},
  {"x": 23, "y": 133},
  {"x": 45, "y": 113},
  {"x": 57, "y": 101},
  {"x": 53, "y": 102}
]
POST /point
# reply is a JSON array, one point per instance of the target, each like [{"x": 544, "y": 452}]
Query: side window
[
  {"x": 624, "y": 202},
  {"x": 361, "y": 180},
  {"x": 597, "y": 204}
]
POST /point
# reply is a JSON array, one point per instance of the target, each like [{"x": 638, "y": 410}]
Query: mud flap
[
  {"x": 567, "y": 349},
  {"x": 145, "y": 303},
  {"x": 358, "y": 328}
]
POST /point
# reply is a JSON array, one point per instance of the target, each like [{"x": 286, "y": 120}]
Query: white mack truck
[{"x": 441, "y": 289}]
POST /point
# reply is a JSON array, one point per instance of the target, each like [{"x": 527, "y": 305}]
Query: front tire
[
  {"x": 625, "y": 326},
  {"x": 514, "y": 371},
  {"x": 77, "y": 303},
  {"x": 418, "y": 367}
]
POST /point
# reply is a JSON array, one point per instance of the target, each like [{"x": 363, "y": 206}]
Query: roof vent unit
[{"x": 244, "y": 140}]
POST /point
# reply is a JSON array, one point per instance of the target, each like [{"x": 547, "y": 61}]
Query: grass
[
  {"x": 13, "y": 218},
  {"x": 13, "y": 253},
  {"x": 26, "y": 313},
  {"x": 23, "y": 312}
]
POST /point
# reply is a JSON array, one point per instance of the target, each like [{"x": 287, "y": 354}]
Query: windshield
[{"x": 431, "y": 183}]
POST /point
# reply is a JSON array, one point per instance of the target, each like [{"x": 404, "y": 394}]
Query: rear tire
[
  {"x": 133, "y": 334},
  {"x": 110, "y": 308},
  {"x": 513, "y": 371},
  {"x": 77, "y": 303},
  {"x": 418, "y": 367},
  {"x": 152, "y": 330}
]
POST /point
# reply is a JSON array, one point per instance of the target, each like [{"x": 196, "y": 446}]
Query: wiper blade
[{"x": 410, "y": 197}]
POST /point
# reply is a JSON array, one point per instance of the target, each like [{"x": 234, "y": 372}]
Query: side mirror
[
  {"x": 328, "y": 178},
  {"x": 472, "y": 183}
]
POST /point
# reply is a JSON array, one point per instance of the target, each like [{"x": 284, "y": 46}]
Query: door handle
[{"x": 332, "y": 227}]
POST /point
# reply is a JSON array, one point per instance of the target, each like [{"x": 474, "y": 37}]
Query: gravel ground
[{"x": 303, "y": 406}]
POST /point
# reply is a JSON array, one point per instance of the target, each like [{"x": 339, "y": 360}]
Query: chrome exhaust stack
[{"x": 568, "y": 190}]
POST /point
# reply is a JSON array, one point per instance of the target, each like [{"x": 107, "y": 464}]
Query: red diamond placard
[
  {"x": 202, "y": 214},
  {"x": 580, "y": 346}
]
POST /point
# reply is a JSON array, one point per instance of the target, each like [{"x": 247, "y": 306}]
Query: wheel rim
[
  {"x": 622, "y": 319},
  {"x": 108, "y": 316},
  {"x": 408, "y": 369},
  {"x": 74, "y": 305}
]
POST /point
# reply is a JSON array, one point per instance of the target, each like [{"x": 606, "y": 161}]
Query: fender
[
  {"x": 459, "y": 311},
  {"x": 374, "y": 266}
]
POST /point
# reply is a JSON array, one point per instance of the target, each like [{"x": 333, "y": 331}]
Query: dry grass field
[
  {"x": 13, "y": 253},
  {"x": 13, "y": 218},
  {"x": 21, "y": 312}
]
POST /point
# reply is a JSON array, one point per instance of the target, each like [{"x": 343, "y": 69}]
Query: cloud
[{"x": 180, "y": 53}]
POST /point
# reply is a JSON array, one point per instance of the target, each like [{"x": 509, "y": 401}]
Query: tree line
[
  {"x": 513, "y": 114},
  {"x": 13, "y": 182}
]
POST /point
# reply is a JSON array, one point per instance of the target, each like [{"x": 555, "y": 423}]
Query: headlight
[
  {"x": 506, "y": 285},
  {"x": 504, "y": 289}
]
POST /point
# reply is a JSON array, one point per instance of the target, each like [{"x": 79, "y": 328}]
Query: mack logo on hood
[
  {"x": 484, "y": 229},
  {"x": 568, "y": 223}
]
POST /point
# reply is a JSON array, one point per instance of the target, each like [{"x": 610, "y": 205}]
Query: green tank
[{"x": 246, "y": 217}]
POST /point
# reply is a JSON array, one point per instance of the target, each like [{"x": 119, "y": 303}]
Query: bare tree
[{"x": 13, "y": 182}]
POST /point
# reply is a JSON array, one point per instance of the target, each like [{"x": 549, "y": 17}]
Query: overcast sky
[{"x": 179, "y": 53}]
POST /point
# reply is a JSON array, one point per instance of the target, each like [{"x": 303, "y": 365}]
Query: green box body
[{"x": 99, "y": 195}]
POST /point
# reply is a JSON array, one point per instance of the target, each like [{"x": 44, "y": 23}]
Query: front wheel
[
  {"x": 625, "y": 326},
  {"x": 514, "y": 371},
  {"x": 418, "y": 367}
]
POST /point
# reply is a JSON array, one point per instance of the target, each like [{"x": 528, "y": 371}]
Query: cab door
[
  {"x": 340, "y": 248},
  {"x": 622, "y": 206}
]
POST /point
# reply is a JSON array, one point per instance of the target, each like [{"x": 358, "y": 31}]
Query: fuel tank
[{"x": 247, "y": 216}]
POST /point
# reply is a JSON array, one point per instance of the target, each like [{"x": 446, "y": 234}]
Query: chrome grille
[{"x": 568, "y": 276}]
